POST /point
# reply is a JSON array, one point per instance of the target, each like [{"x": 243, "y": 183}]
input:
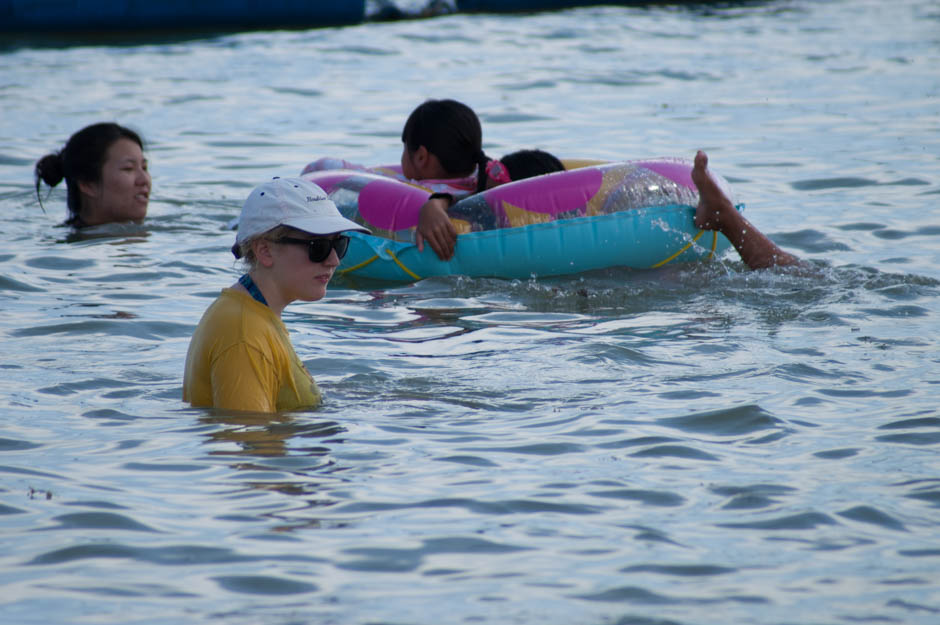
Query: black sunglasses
[{"x": 319, "y": 249}]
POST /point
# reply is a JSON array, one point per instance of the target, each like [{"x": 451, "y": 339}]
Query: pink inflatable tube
[{"x": 632, "y": 213}]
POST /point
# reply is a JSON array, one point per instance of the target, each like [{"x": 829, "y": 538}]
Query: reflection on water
[
  {"x": 265, "y": 435},
  {"x": 127, "y": 232},
  {"x": 621, "y": 446}
]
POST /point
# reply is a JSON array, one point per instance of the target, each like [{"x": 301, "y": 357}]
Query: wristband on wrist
[{"x": 446, "y": 196}]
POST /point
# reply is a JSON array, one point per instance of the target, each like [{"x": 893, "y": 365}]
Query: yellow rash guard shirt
[{"x": 241, "y": 358}]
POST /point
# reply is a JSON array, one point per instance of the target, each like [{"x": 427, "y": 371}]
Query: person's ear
[
  {"x": 263, "y": 252},
  {"x": 421, "y": 157},
  {"x": 90, "y": 189},
  {"x": 428, "y": 165}
]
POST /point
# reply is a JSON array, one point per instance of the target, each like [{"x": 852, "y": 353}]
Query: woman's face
[
  {"x": 299, "y": 277},
  {"x": 123, "y": 192}
]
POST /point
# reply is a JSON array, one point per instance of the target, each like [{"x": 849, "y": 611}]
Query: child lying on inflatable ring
[
  {"x": 442, "y": 141},
  {"x": 715, "y": 211},
  {"x": 442, "y": 150}
]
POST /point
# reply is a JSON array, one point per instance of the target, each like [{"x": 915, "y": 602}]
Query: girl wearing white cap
[{"x": 240, "y": 356}]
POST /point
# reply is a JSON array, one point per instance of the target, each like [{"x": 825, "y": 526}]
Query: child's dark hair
[
  {"x": 81, "y": 160},
  {"x": 528, "y": 163},
  {"x": 451, "y": 131}
]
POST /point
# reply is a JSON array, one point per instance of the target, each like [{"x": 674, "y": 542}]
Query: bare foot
[
  {"x": 713, "y": 205},
  {"x": 716, "y": 212}
]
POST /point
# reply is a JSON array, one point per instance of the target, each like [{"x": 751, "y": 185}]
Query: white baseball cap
[{"x": 291, "y": 202}]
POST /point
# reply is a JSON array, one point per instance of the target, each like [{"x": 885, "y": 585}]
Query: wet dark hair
[
  {"x": 81, "y": 160},
  {"x": 528, "y": 163},
  {"x": 451, "y": 131}
]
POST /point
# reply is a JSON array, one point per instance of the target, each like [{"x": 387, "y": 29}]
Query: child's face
[
  {"x": 422, "y": 165},
  {"x": 408, "y": 167}
]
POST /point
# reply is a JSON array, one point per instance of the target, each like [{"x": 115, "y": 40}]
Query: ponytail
[
  {"x": 482, "y": 160},
  {"x": 49, "y": 169}
]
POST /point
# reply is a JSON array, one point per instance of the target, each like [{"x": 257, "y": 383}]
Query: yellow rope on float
[
  {"x": 403, "y": 268},
  {"x": 359, "y": 266},
  {"x": 684, "y": 248}
]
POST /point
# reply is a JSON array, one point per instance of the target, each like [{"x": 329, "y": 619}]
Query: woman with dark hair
[{"x": 105, "y": 174}]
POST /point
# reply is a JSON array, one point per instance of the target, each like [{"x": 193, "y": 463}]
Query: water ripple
[
  {"x": 174, "y": 555},
  {"x": 680, "y": 570},
  {"x": 648, "y": 497},
  {"x": 8, "y": 444},
  {"x": 397, "y": 560},
  {"x": 641, "y": 596},
  {"x": 511, "y": 506},
  {"x": 804, "y": 521},
  {"x": 10, "y": 284},
  {"x": 868, "y": 514},
  {"x": 263, "y": 585},
  {"x": 150, "y": 330},
  {"x": 99, "y": 520},
  {"x": 727, "y": 422},
  {"x": 754, "y": 496},
  {"x": 675, "y": 451},
  {"x": 476, "y": 461},
  {"x": 5, "y": 509}
]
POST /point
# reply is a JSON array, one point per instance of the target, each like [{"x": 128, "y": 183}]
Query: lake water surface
[{"x": 689, "y": 445}]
